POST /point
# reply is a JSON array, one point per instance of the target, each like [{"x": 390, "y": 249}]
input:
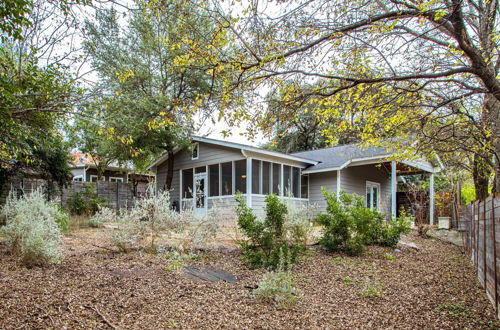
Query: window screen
[
  {"x": 287, "y": 180},
  {"x": 295, "y": 181},
  {"x": 187, "y": 183},
  {"x": 304, "y": 188},
  {"x": 255, "y": 176},
  {"x": 266, "y": 177},
  {"x": 213, "y": 180},
  {"x": 227, "y": 178},
  {"x": 240, "y": 176},
  {"x": 276, "y": 179}
]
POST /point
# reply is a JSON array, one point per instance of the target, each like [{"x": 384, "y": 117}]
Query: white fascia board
[
  {"x": 327, "y": 169},
  {"x": 421, "y": 166},
  {"x": 256, "y": 150}
]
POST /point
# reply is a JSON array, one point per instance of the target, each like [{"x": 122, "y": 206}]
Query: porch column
[
  {"x": 249, "y": 181},
  {"x": 338, "y": 185},
  {"x": 394, "y": 186},
  {"x": 431, "y": 199}
]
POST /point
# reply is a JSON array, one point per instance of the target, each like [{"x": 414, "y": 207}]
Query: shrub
[
  {"x": 349, "y": 225},
  {"x": 152, "y": 217},
  {"x": 33, "y": 229},
  {"x": 267, "y": 238},
  {"x": 277, "y": 286},
  {"x": 85, "y": 202}
]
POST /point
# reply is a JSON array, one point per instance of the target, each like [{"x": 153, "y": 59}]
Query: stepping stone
[{"x": 209, "y": 274}]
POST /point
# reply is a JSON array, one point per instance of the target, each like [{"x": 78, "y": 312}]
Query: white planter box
[{"x": 444, "y": 222}]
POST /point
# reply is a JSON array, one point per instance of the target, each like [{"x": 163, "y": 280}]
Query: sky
[{"x": 208, "y": 129}]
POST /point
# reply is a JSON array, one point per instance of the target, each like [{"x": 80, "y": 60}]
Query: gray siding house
[{"x": 214, "y": 170}]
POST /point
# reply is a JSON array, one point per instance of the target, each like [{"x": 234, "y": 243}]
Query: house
[
  {"x": 213, "y": 170},
  {"x": 84, "y": 169}
]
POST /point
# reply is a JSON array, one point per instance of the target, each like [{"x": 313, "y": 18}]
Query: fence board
[
  {"x": 480, "y": 222},
  {"x": 117, "y": 195}
]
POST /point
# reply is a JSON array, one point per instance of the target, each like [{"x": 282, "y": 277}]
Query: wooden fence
[
  {"x": 480, "y": 222},
  {"x": 116, "y": 195}
]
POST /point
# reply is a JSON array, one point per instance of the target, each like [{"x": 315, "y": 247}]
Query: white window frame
[
  {"x": 196, "y": 146},
  {"x": 75, "y": 178},
  {"x": 372, "y": 184},
  {"x": 116, "y": 179},
  {"x": 96, "y": 178}
]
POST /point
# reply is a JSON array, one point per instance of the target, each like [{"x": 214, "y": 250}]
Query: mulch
[{"x": 434, "y": 287}]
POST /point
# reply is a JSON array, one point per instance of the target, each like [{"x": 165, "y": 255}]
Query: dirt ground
[{"x": 433, "y": 287}]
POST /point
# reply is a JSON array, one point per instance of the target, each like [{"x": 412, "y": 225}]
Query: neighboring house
[
  {"x": 84, "y": 170},
  {"x": 214, "y": 170}
]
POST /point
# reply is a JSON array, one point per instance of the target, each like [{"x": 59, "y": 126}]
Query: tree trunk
[
  {"x": 481, "y": 175},
  {"x": 170, "y": 171}
]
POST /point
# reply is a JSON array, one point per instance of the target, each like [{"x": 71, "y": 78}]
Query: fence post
[
  {"x": 495, "y": 281},
  {"x": 117, "y": 197},
  {"x": 485, "y": 269}
]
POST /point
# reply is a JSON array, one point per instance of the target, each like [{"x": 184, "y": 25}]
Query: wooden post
[
  {"x": 394, "y": 186},
  {"x": 117, "y": 197},
  {"x": 476, "y": 235},
  {"x": 495, "y": 283},
  {"x": 484, "y": 246}
]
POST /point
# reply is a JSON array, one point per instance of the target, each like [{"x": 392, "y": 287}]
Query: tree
[
  {"x": 438, "y": 59},
  {"x": 35, "y": 91},
  {"x": 157, "y": 73},
  {"x": 88, "y": 134}
]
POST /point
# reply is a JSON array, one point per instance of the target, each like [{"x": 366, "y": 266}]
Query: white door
[{"x": 200, "y": 197}]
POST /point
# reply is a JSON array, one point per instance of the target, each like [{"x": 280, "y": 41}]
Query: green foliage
[
  {"x": 277, "y": 286},
  {"x": 33, "y": 228},
  {"x": 349, "y": 225},
  {"x": 86, "y": 201},
  {"x": 468, "y": 193},
  {"x": 266, "y": 239},
  {"x": 62, "y": 220},
  {"x": 371, "y": 288},
  {"x": 389, "y": 257}
]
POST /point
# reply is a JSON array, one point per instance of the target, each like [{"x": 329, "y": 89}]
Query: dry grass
[{"x": 94, "y": 288}]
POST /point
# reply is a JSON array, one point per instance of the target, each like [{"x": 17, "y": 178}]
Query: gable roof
[
  {"x": 335, "y": 158},
  {"x": 242, "y": 147}
]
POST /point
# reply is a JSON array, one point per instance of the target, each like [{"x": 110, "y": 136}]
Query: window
[
  {"x": 287, "y": 180},
  {"x": 78, "y": 178},
  {"x": 295, "y": 181},
  {"x": 114, "y": 179},
  {"x": 93, "y": 178},
  {"x": 266, "y": 178},
  {"x": 195, "y": 150},
  {"x": 372, "y": 195},
  {"x": 240, "y": 176},
  {"x": 187, "y": 183},
  {"x": 213, "y": 179},
  {"x": 304, "y": 187},
  {"x": 276, "y": 179},
  {"x": 227, "y": 178},
  {"x": 255, "y": 176}
]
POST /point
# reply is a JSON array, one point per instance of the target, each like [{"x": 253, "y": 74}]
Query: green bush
[
  {"x": 349, "y": 225},
  {"x": 85, "y": 202},
  {"x": 265, "y": 239},
  {"x": 62, "y": 219},
  {"x": 32, "y": 230}
]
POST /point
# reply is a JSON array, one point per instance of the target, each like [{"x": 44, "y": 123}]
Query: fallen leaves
[{"x": 94, "y": 288}]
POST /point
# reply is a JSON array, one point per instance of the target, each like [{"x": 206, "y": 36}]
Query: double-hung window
[{"x": 372, "y": 195}]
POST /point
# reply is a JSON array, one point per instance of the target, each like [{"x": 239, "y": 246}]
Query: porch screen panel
[
  {"x": 255, "y": 176},
  {"x": 187, "y": 183},
  {"x": 287, "y": 180},
  {"x": 304, "y": 187},
  {"x": 240, "y": 176},
  {"x": 295, "y": 181},
  {"x": 227, "y": 178},
  {"x": 213, "y": 180},
  {"x": 266, "y": 177},
  {"x": 276, "y": 179}
]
